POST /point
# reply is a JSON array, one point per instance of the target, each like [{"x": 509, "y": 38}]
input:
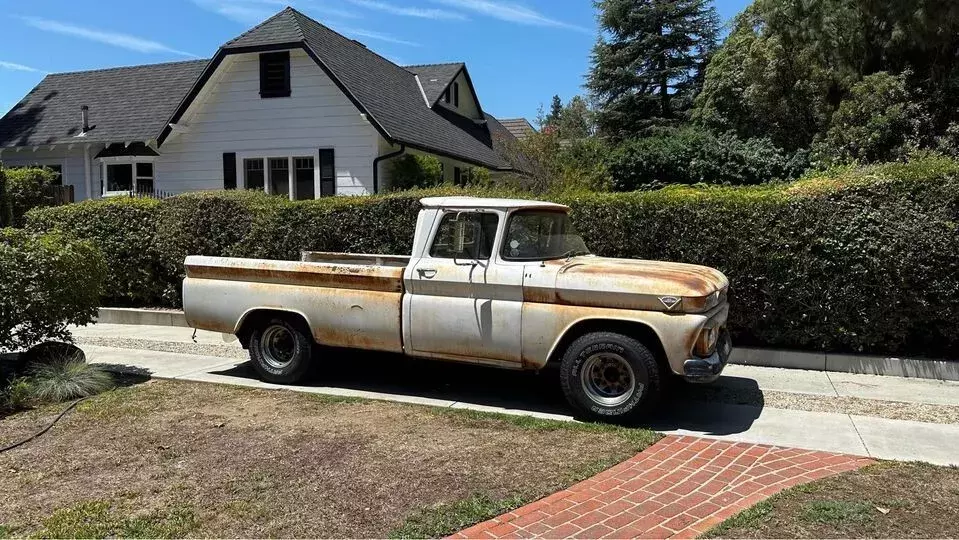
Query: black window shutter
[
  {"x": 229, "y": 170},
  {"x": 327, "y": 173},
  {"x": 456, "y": 94},
  {"x": 275, "y": 74}
]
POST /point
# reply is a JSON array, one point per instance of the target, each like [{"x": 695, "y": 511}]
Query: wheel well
[
  {"x": 636, "y": 330},
  {"x": 261, "y": 316}
]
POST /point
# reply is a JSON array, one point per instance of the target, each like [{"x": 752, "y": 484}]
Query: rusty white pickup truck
[{"x": 506, "y": 283}]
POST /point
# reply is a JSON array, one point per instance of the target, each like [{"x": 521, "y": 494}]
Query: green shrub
[
  {"x": 854, "y": 260},
  {"x": 49, "y": 281},
  {"x": 6, "y": 217},
  {"x": 17, "y": 395},
  {"x": 65, "y": 378},
  {"x": 415, "y": 171},
  {"x": 693, "y": 156},
  {"x": 124, "y": 229},
  {"x": 28, "y": 188}
]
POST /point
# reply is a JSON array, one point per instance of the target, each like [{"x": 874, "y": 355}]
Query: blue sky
[{"x": 519, "y": 52}]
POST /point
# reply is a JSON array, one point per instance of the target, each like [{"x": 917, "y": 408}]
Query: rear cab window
[{"x": 479, "y": 235}]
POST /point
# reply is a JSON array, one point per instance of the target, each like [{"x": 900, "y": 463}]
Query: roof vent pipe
[{"x": 84, "y": 118}]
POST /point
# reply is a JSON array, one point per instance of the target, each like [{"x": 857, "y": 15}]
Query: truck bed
[{"x": 347, "y": 300}]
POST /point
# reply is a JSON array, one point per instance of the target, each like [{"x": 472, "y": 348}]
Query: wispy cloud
[
  {"x": 405, "y": 11},
  {"x": 511, "y": 12},
  {"x": 252, "y": 12},
  {"x": 378, "y": 36},
  {"x": 115, "y": 39},
  {"x": 19, "y": 67}
]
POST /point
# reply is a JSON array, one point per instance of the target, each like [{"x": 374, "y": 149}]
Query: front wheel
[
  {"x": 609, "y": 376},
  {"x": 280, "y": 351}
]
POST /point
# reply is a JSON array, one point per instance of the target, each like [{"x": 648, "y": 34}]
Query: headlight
[{"x": 706, "y": 344}]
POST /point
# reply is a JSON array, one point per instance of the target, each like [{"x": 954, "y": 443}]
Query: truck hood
[{"x": 637, "y": 284}]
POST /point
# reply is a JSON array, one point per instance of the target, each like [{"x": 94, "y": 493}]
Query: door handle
[{"x": 428, "y": 273}]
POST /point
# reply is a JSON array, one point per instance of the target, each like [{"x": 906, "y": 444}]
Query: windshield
[{"x": 534, "y": 235}]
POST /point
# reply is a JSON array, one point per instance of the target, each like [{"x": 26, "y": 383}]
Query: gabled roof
[
  {"x": 519, "y": 127},
  {"x": 436, "y": 77},
  {"x": 387, "y": 93},
  {"x": 126, "y": 104},
  {"x": 139, "y": 103}
]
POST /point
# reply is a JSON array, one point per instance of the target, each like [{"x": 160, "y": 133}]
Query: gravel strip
[
  {"x": 225, "y": 350},
  {"x": 894, "y": 410}
]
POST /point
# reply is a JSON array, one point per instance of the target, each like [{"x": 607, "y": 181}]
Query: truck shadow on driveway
[{"x": 725, "y": 407}]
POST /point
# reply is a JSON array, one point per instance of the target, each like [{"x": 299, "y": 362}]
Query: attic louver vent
[{"x": 275, "y": 74}]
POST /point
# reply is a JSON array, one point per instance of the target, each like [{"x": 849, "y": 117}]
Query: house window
[
  {"x": 253, "y": 174},
  {"x": 457, "y": 176},
  {"x": 120, "y": 177},
  {"x": 275, "y": 74},
  {"x": 280, "y": 177},
  {"x": 303, "y": 167},
  {"x": 446, "y": 95},
  {"x": 128, "y": 177},
  {"x": 296, "y": 174},
  {"x": 143, "y": 183},
  {"x": 456, "y": 94}
]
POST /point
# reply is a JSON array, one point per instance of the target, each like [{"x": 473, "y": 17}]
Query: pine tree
[
  {"x": 552, "y": 119},
  {"x": 648, "y": 60}
]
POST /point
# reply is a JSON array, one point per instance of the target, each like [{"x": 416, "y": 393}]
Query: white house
[{"x": 290, "y": 107}]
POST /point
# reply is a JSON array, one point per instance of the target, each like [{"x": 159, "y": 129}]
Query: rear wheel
[
  {"x": 609, "y": 376},
  {"x": 281, "y": 351}
]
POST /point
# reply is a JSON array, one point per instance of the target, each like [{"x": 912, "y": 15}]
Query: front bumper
[{"x": 707, "y": 370}]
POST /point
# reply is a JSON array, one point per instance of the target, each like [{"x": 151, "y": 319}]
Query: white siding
[
  {"x": 230, "y": 116},
  {"x": 71, "y": 160},
  {"x": 468, "y": 106}
]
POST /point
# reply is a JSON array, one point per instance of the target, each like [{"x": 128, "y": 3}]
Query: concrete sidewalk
[{"x": 521, "y": 393}]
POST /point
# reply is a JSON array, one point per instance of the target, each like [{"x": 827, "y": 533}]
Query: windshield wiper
[{"x": 574, "y": 252}]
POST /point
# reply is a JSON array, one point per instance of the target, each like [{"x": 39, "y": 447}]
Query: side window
[{"x": 479, "y": 234}]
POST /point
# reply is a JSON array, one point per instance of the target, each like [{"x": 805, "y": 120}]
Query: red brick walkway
[{"x": 679, "y": 487}]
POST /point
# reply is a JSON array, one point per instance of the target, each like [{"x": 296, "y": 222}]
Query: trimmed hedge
[{"x": 855, "y": 260}]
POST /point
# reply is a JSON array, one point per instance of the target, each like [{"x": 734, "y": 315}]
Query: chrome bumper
[{"x": 707, "y": 370}]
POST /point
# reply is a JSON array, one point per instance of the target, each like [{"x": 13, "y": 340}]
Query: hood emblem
[{"x": 670, "y": 301}]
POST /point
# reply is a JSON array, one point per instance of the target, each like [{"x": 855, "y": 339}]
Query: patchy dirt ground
[
  {"x": 888, "y": 500},
  {"x": 168, "y": 458}
]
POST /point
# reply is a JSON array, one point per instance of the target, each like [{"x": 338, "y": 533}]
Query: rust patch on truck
[{"x": 340, "y": 276}]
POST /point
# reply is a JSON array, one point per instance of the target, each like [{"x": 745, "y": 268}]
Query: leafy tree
[
  {"x": 880, "y": 121},
  {"x": 647, "y": 62},
  {"x": 788, "y": 64},
  {"x": 575, "y": 119}
]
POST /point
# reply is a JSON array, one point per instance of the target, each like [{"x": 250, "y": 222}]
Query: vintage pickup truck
[{"x": 501, "y": 282}]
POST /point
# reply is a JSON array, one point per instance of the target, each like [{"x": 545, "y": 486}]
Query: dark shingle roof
[
  {"x": 435, "y": 77},
  {"x": 136, "y": 103},
  {"x": 126, "y": 104},
  {"x": 519, "y": 127}
]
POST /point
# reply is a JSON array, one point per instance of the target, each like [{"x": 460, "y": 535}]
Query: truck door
[{"x": 461, "y": 305}]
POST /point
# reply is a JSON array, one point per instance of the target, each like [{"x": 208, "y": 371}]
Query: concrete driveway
[{"x": 882, "y": 417}]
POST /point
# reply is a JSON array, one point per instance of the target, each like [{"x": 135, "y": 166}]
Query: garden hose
[{"x": 46, "y": 429}]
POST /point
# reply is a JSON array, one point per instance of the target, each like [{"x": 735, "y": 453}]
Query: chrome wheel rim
[
  {"x": 608, "y": 379},
  {"x": 277, "y": 346}
]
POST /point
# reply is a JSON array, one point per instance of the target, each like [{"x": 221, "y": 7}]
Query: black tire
[
  {"x": 610, "y": 353},
  {"x": 281, "y": 351}
]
